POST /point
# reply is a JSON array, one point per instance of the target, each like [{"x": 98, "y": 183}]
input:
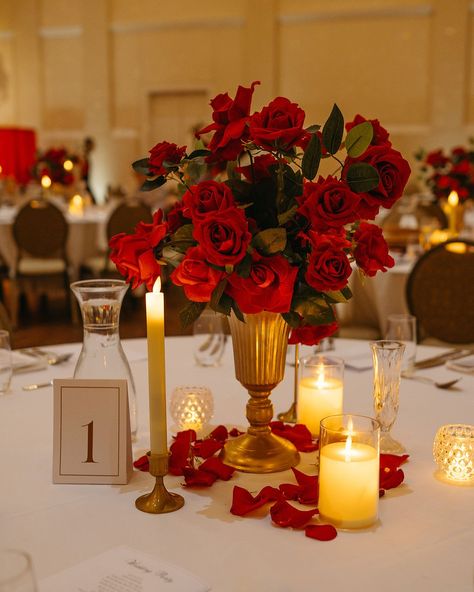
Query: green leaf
[
  {"x": 312, "y": 129},
  {"x": 141, "y": 166},
  {"x": 237, "y": 311},
  {"x": 224, "y": 305},
  {"x": 171, "y": 256},
  {"x": 362, "y": 177},
  {"x": 287, "y": 216},
  {"x": 270, "y": 241},
  {"x": 184, "y": 232},
  {"x": 217, "y": 294},
  {"x": 314, "y": 310},
  {"x": 347, "y": 293},
  {"x": 149, "y": 185},
  {"x": 231, "y": 172},
  {"x": 358, "y": 139},
  {"x": 336, "y": 297},
  {"x": 292, "y": 318},
  {"x": 311, "y": 158},
  {"x": 192, "y": 312},
  {"x": 333, "y": 130},
  {"x": 244, "y": 267},
  {"x": 198, "y": 154}
]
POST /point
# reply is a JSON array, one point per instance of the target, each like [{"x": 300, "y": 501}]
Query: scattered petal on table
[
  {"x": 321, "y": 532},
  {"x": 392, "y": 479},
  {"x": 220, "y": 433},
  {"x": 180, "y": 451},
  {"x": 285, "y": 515},
  {"x": 142, "y": 463},
  {"x": 244, "y": 502},
  {"x": 234, "y": 432},
  {"x": 206, "y": 448},
  {"x": 298, "y": 434},
  {"x": 196, "y": 477},
  {"x": 215, "y": 466}
]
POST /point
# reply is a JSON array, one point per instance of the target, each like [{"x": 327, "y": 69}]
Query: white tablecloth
[
  {"x": 86, "y": 236},
  {"x": 424, "y": 540}
]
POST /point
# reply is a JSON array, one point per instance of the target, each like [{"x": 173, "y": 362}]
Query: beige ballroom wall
[{"x": 132, "y": 73}]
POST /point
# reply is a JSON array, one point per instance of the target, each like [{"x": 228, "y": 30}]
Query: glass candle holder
[
  {"x": 453, "y": 451},
  {"x": 349, "y": 470},
  {"x": 320, "y": 390},
  {"x": 191, "y": 407}
]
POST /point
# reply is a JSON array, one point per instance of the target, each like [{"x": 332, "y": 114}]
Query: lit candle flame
[
  {"x": 320, "y": 373},
  {"x": 453, "y": 199},
  {"x": 348, "y": 447},
  {"x": 45, "y": 182},
  {"x": 157, "y": 285},
  {"x": 68, "y": 165}
]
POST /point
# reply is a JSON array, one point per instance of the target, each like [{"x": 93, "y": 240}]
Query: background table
[{"x": 423, "y": 541}]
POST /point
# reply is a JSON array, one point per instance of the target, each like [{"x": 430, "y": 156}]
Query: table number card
[{"x": 92, "y": 442}]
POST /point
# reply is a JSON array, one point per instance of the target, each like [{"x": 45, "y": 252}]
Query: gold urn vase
[{"x": 259, "y": 356}]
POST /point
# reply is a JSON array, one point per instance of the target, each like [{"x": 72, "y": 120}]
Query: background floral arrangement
[
  {"x": 453, "y": 171},
  {"x": 269, "y": 237},
  {"x": 51, "y": 163}
]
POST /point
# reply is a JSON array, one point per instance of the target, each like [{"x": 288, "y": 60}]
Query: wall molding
[
  {"x": 124, "y": 133},
  {"x": 327, "y": 15},
  {"x": 6, "y": 35},
  {"x": 60, "y": 32},
  {"x": 63, "y": 134},
  {"x": 144, "y": 26}
]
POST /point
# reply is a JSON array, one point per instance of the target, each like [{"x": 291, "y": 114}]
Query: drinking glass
[
  {"x": 209, "y": 338},
  {"x": 16, "y": 572},
  {"x": 5, "y": 361},
  {"x": 387, "y": 358},
  {"x": 402, "y": 327}
]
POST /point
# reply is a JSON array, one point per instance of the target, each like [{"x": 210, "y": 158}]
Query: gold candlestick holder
[
  {"x": 160, "y": 500},
  {"x": 290, "y": 415}
]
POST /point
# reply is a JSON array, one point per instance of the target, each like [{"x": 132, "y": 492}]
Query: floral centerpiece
[
  {"x": 269, "y": 235},
  {"x": 52, "y": 163},
  {"x": 447, "y": 172}
]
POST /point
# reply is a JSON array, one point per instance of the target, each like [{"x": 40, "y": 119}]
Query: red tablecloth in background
[{"x": 17, "y": 153}]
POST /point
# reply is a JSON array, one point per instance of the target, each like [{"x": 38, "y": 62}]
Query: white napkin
[{"x": 464, "y": 365}]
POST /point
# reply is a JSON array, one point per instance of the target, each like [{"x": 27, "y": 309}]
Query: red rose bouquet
[
  {"x": 271, "y": 235},
  {"x": 454, "y": 171},
  {"x": 51, "y": 163}
]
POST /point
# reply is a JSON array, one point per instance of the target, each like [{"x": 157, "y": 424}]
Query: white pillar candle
[
  {"x": 349, "y": 484},
  {"x": 318, "y": 398},
  {"x": 155, "y": 327}
]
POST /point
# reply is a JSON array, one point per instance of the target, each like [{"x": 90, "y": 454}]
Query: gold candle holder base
[
  {"x": 160, "y": 500},
  {"x": 288, "y": 416}
]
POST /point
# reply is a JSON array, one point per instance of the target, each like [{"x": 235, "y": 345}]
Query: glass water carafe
[{"x": 102, "y": 355}]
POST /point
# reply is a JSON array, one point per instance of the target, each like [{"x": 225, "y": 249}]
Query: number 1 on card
[{"x": 90, "y": 442}]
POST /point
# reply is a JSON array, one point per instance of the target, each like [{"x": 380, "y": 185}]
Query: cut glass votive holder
[
  {"x": 453, "y": 451},
  {"x": 320, "y": 390},
  {"x": 191, "y": 407},
  {"x": 349, "y": 471}
]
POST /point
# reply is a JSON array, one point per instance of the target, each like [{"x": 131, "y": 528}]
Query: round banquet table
[{"x": 424, "y": 539}]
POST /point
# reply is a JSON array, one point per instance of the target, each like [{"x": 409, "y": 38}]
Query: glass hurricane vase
[
  {"x": 259, "y": 346},
  {"x": 387, "y": 358},
  {"x": 102, "y": 355}
]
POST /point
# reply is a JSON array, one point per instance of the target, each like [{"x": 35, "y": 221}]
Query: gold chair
[
  {"x": 123, "y": 218},
  {"x": 40, "y": 232},
  {"x": 440, "y": 292}
]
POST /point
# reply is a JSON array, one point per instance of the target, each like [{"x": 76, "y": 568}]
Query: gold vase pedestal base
[
  {"x": 160, "y": 500},
  {"x": 288, "y": 416},
  {"x": 260, "y": 453}
]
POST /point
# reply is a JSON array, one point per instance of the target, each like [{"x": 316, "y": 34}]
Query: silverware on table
[
  {"x": 34, "y": 387},
  {"x": 440, "y": 359},
  {"x": 446, "y": 384}
]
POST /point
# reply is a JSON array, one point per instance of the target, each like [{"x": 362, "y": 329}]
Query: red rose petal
[
  {"x": 307, "y": 490},
  {"x": 234, "y": 432},
  {"x": 392, "y": 479},
  {"x": 215, "y": 466},
  {"x": 220, "y": 433},
  {"x": 290, "y": 491},
  {"x": 142, "y": 463},
  {"x": 285, "y": 515},
  {"x": 392, "y": 461},
  {"x": 244, "y": 502},
  {"x": 321, "y": 532},
  {"x": 180, "y": 452},
  {"x": 298, "y": 434},
  {"x": 206, "y": 448},
  {"x": 198, "y": 478}
]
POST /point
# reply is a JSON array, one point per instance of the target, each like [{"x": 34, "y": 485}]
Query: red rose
[
  {"x": 164, "y": 152},
  {"x": 207, "y": 196},
  {"x": 380, "y": 136},
  {"x": 260, "y": 169},
  {"x": 329, "y": 203},
  {"x": 393, "y": 171},
  {"x": 230, "y": 123},
  {"x": 269, "y": 285},
  {"x": 279, "y": 125},
  {"x": 436, "y": 159},
  {"x": 371, "y": 252},
  {"x": 459, "y": 151},
  {"x": 133, "y": 254},
  {"x": 461, "y": 168},
  {"x": 312, "y": 334},
  {"x": 195, "y": 276},
  {"x": 177, "y": 217},
  {"x": 224, "y": 236},
  {"x": 328, "y": 266}
]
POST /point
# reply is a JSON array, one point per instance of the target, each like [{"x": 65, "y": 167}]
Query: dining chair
[
  {"x": 123, "y": 218},
  {"x": 440, "y": 292},
  {"x": 40, "y": 232}
]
